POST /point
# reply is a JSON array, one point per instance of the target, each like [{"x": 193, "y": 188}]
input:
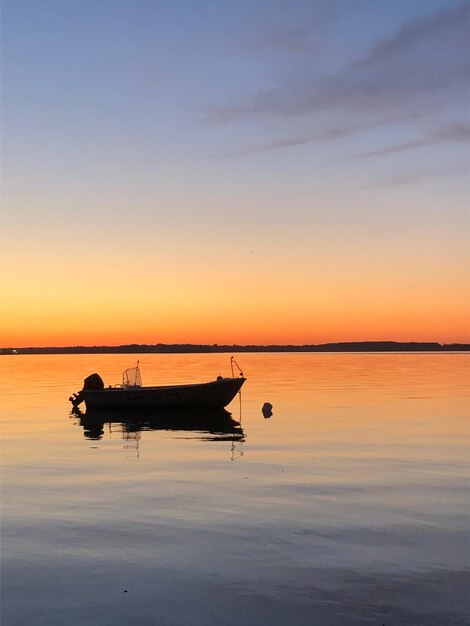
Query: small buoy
[{"x": 267, "y": 410}]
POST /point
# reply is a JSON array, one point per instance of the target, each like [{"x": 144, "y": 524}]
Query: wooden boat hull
[{"x": 214, "y": 395}]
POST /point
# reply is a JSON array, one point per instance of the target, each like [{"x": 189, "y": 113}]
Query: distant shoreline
[{"x": 187, "y": 348}]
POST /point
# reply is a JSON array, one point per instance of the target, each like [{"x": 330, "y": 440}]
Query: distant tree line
[{"x": 161, "y": 348}]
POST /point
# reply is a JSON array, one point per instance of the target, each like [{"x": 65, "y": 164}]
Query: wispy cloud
[
  {"x": 417, "y": 78},
  {"x": 421, "y": 67},
  {"x": 329, "y": 134},
  {"x": 459, "y": 133},
  {"x": 455, "y": 133},
  {"x": 422, "y": 176}
]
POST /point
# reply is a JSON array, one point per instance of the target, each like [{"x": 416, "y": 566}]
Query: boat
[{"x": 216, "y": 394}]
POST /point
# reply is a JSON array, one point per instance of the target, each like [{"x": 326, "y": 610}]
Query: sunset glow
[{"x": 235, "y": 173}]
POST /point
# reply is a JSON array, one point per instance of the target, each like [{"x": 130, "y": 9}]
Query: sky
[{"x": 249, "y": 171}]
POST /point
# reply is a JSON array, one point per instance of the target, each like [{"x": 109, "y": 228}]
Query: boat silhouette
[{"x": 131, "y": 394}]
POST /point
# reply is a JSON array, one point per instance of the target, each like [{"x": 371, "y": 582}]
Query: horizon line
[{"x": 234, "y": 346}]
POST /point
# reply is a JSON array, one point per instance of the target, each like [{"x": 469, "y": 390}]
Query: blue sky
[
  {"x": 323, "y": 132},
  {"x": 213, "y": 79}
]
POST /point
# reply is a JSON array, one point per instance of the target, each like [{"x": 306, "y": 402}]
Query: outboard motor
[{"x": 94, "y": 382}]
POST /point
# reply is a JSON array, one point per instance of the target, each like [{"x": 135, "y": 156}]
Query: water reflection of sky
[{"x": 347, "y": 506}]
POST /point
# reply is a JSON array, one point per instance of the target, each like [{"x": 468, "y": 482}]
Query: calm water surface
[{"x": 348, "y": 506}]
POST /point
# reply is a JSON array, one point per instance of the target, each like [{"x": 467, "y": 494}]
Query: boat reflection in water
[{"x": 215, "y": 425}]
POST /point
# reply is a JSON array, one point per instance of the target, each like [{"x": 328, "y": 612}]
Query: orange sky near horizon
[
  {"x": 183, "y": 290},
  {"x": 261, "y": 302}
]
